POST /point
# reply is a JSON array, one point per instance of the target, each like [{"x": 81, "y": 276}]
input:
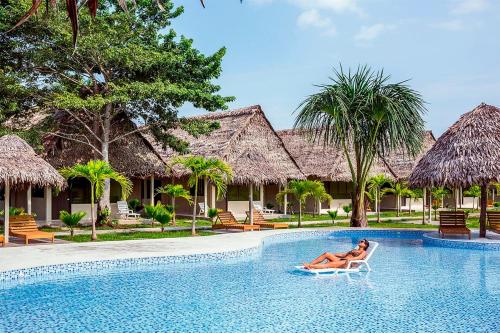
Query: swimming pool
[{"x": 412, "y": 288}]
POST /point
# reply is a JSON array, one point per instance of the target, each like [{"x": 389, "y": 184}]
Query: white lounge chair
[
  {"x": 202, "y": 207},
  {"x": 125, "y": 211},
  {"x": 362, "y": 265},
  {"x": 263, "y": 210}
]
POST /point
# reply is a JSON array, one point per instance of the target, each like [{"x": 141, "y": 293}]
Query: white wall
[{"x": 239, "y": 207}]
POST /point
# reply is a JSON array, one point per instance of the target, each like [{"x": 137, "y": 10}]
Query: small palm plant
[
  {"x": 301, "y": 190},
  {"x": 212, "y": 213},
  {"x": 134, "y": 204},
  {"x": 438, "y": 194},
  {"x": 96, "y": 172},
  {"x": 216, "y": 171},
  {"x": 71, "y": 220},
  {"x": 399, "y": 189},
  {"x": 347, "y": 209},
  {"x": 175, "y": 191},
  {"x": 319, "y": 193},
  {"x": 163, "y": 216},
  {"x": 333, "y": 215}
]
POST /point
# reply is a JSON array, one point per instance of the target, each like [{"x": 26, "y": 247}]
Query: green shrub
[
  {"x": 347, "y": 209},
  {"x": 134, "y": 204},
  {"x": 71, "y": 220},
  {"x": 332, "y": 214},
  {"x": 497, "y": 204},
  {"x": 158, "y": 213},
  {"x": 212, "y": 213}
]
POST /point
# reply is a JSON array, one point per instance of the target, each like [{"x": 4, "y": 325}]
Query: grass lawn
[{"x": 133, "y": 235}]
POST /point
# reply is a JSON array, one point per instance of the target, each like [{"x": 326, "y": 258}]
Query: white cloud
[
  {"x": 470, "y": 6},
  {"x": 368, "y": 33},
  {"x": 338, "y": 6},
  {"x": 312, "y": 18},
  {"x": 451, "y": 25}
]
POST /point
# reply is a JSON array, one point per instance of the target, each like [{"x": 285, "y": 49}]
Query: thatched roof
[
  {"x": 247, "y": 142},
  {"x": 468, "y": 153},
  {"x": 20, "y": 165},
  {"x": 402, "y": 164},
  {"x": 323, "y": 162},
  {"x": 132, "y": 156}
]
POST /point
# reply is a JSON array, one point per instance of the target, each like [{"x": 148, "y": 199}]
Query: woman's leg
[
  {"x": 325, "y": 256},
  {"x": 331, "y": 264}
]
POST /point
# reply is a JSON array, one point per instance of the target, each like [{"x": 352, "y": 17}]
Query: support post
[
  {"x": 28, "y": 199},
  {"x": 376, "y": 200},
  {"x": 424, "y": 199},
  {"x": 285, "y": 202},
  {"x": 319, "y": 207},
  {"x": 205, "y": 196},
  {"x": 6, "y": 211},
  {"x": 482, "y": 214},
  {"x": 48, "y": 205},
  {"x": 460, "y": 197},
  {"x": 152, "y": 190},
  {"x": 250, "y": 203},
  {"x": 262, "y": 196},
  {"x": 213, "y": 197},
  {"x": 430, "y": 207}
]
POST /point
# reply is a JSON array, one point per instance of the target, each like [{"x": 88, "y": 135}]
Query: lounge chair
[
  {"x": 494, "y": 221},
  {"x": 2, "y": 240},
  {"x": 125, "y": 211},
  {"x": 258, "y": 219},
  {"x": 354, "y": 266},
  {"x": 24, "y": 226},
  {"x": 226, "y": 220},
  {"x": 263, "y": 210},
  {"x": 453, "y": 223},
  {"x": 201, "y": 206}
]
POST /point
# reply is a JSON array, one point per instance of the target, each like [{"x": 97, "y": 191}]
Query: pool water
[{"x": 412, "y": 288}]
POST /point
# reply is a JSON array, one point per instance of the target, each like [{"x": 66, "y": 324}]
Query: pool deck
[{"x": 15, "y": 258}]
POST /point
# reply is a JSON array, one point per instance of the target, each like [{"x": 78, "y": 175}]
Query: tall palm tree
[
  {"x": 216, "y": 171},
  {"x": 175, "y": 191},
  {"x": 96, "y": 172},
  {"x": 319, "y": 193},
  {"x": 400, "y": 190},
  {"x": 375, "y": 183},
  {"x": 301, "y": 190},
  {"x": 364, "y": 115}
]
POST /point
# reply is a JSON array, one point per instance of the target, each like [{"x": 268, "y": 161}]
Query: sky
[{"x": 278, "y": 50}]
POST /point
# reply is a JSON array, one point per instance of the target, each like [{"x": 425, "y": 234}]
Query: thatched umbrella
[
  {"x": 468, "y": 153},
  {"x": 21, "y": 166}
]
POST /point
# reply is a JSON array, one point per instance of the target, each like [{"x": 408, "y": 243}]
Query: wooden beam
[
  {"x": 6, "y": 211},
  {"x": 250, "y": 203}
]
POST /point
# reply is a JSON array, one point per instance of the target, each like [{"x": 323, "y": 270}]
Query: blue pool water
[{"x": 412, "y": 288}]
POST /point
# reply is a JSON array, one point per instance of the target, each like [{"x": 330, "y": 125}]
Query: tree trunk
[
  {"x": 378, "y": 205},
  {"x": 92, "y": 211},
  {"x": 482, "y": 216},
  {"x": 358, "y": 215},
  {"x": 173, "y": 214},
  {"x": 105, "y": 199},
  {"x": 398, "y": 204},
  {"x": 300, "y": 215},
  {"x": 409, "y": 206},
  {"x": 193, "y": 222},
  {"x": 71, "y": 232}
]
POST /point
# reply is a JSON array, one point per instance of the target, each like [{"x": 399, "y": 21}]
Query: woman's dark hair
[{"x": 367, "y": 243}]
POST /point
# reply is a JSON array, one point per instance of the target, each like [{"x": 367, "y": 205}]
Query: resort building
[
  {"x": 245, "y": 139},
  {"x": 329, "y": 165}
]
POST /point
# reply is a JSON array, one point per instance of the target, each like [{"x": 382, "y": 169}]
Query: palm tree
[
  {"x": 319, "y": 194},
  {"x": 375, "y": 183},
  {"x": 364, "y": 115},
  {"x": 438, "y": 194},
  {"x": 216, "y": 171},
  {"x": 399, "y": 189},
  {"x": 96, "y": 172},
  {"x": 474, "y": 192},
  {"x": 301, "y": 190},
  {"x": 175, "y": 191}
]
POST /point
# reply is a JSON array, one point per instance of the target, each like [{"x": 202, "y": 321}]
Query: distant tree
[
  {"x": 399, "y": 189},
  {"x": 96, "y": 172},
  {"x": 319, "y": 194},
  {"x": 175, "y": 191},
  {"x": 300, "y": 190},
  {"x": 216, "y": 171},
  {"x": 375, "y": 183},
  {"x": 364, "y": 115},
  {"x": 474, "y": 192}
]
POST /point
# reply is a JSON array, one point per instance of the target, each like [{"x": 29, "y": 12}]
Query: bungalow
[
  {"x": 329, "y": 165},
  {"x": 246, "y": 140}
]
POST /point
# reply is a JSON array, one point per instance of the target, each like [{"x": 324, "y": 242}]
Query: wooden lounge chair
[
  {"x": 453, "y": 223},
  {"x": 2, "y": 240},
  {"x": 226, "y": 220},
  {"x": 494, "y": 221},
  {"x": 24, "y": 226},
  {"x": 258, "y": 219}
]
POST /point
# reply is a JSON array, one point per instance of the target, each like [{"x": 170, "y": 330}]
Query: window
[
  {"x": 79, "y": 191},
  {"x": 37, "y": 192},
  {"x": 341, "y": 190},
  {"x": 240, "y": 193}
]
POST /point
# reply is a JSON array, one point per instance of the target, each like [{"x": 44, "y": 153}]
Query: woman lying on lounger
[{"x": 339, "y": 260}]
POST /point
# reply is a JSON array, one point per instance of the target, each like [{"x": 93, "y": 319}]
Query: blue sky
[{"x": 278, "y": 49}]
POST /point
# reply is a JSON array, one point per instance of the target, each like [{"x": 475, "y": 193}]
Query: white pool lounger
[{"x": 362, "y": 265}]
